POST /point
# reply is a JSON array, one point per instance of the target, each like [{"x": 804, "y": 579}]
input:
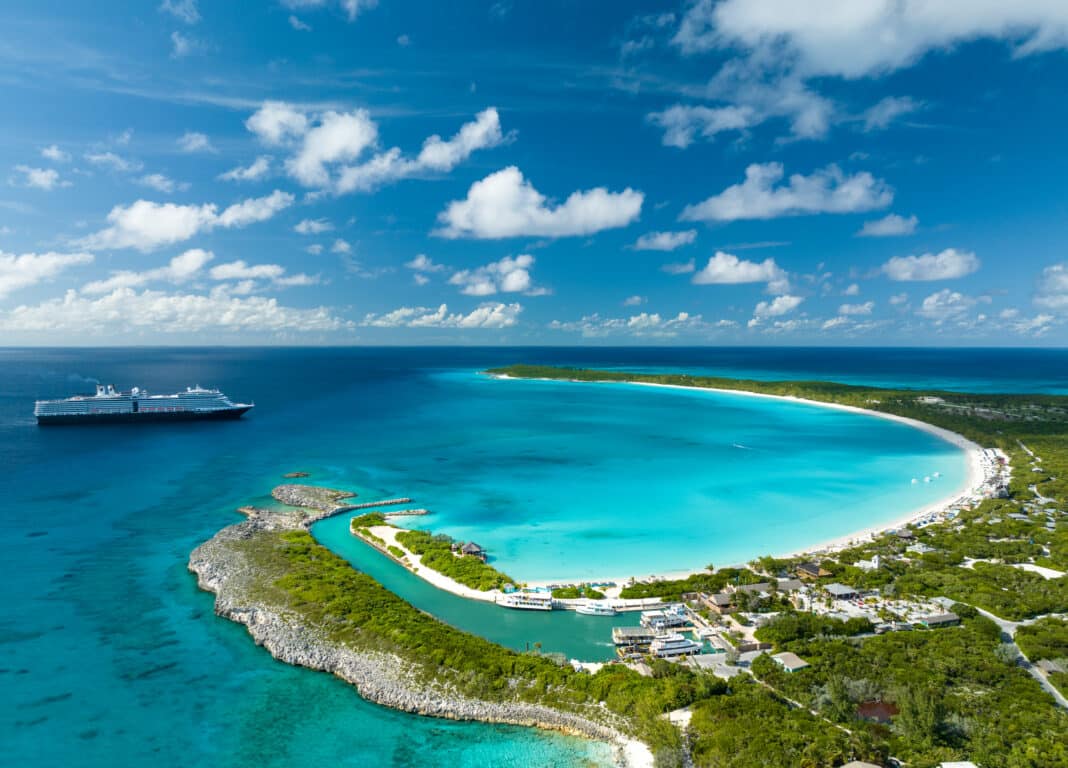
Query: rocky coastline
[{"x": 221, "y": 567}]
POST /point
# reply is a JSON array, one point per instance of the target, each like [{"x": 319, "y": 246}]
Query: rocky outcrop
[
  {"x": 243, "y": 594},
  {"x": 313, "y": 497}
]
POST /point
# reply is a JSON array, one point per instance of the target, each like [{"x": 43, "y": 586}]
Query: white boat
[
  {"x": 674, "y": 644},
  {"x": 527, "y": 601},
  {"x": 596, "y": 608}
]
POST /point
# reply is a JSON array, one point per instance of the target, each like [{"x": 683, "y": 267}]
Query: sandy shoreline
[{"x": 976, "y": 476}]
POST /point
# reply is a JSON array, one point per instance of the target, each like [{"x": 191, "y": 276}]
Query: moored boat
[
  {"x": 596, "y": 608},
  {"x": 527, "y": 601}
]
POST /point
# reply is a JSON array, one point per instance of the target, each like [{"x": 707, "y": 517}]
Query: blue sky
[{"x": 555, "y": 172}]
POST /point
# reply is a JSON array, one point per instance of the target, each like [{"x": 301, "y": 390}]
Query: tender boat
[{"x": 596, "y": 608}]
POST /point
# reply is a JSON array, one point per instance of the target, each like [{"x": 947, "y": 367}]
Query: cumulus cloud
[
  {"x": 183, "y": 10},
  {"x": 727, "y": 269},
  {"x": 437, "y": 155},
  {"x": 857, "y": 309},
  {"x": 423, "y": 263},
  {"x": 313, "y": 226},
  {"x": 859, "y": 39},
  {"x": 777, "y": 307},
  {"x": 19, "y": 271},
  {"x": 946, "y": 265},
  {"x": 327, "y": 147},
  {"x": 192, "y": 141},
  {"x": 851, "y": 290},
  {"x": 125, "y": 310},
  {"x": 634, "y": 301},
  {"x": 183, "y": 267},
  {"x": 352, "y": 8},
  {"x": 182, "y": 45},
  {"x": 485, "y": 316},
  {"x": 260, "y": 167},
  {"x": 55, "y": 154},
  {"x": 504, "y": 204},
  {"x": 682, "y": 124},
  {"x": 664, "y": 241},
  {"x": 1052, "y": 290},
  {"x": 946, "y": 305},
  {"x": 147, "y": 225},
  {"x": 298, "y": 25},
  {"x": 275, "y": 122},
  {"x": 41, "y": 178},
  {"x": 879, "y": 116},
  {"x": 889, "y": 226},
  {"x": 113, "y": 162},
  {"x": 341, "y": 246},
  {"x": 645, "y": 324},
  {"x": 160, "y": 182},
  {"x": 761, "y": 197},
  {"x": 509, "y": 275}
]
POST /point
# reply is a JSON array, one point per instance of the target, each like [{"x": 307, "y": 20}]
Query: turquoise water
[
  {"x": 113, "y": 657},
  {"x": 571, "y": 481}
]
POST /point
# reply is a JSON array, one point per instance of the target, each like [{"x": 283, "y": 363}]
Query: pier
[
  {"x": 369, "y": 504},
  {"x": 407, "y": 513}
]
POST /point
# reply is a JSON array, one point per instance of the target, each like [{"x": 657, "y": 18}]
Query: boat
[
  {"x": 595, "y": 608},
  {"x": 674, "y": 644},
  {"x": 527, "y": 601},
  {"x": 109, "y": 406}
]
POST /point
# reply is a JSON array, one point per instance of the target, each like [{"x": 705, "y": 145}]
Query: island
[{"x": 943, "y": 639}]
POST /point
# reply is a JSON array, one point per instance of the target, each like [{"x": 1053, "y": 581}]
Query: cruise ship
[
  {"x": 527, "y": 601},
  {"x": 109, "y": 406}
]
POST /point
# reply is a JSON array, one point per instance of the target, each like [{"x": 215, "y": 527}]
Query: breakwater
[{"x": 225, "y": 566}]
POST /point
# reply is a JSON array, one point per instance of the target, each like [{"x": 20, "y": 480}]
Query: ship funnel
[{"x": 99, "y": 390}]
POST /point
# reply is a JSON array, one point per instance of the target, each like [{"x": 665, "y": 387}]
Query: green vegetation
[
  {"x": 582, "y": 590},
  {"x": 296, "y": 573},
  {"x": 436, "y": 552},
  {"x": 368, "y": 520},
  {"x": 958, "y": 691},
  {"x": 397, "y": 552}
]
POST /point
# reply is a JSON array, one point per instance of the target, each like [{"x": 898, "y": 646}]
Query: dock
[
  {"x": 369, "y": 504},
  {"x": 407, "y": 513}
]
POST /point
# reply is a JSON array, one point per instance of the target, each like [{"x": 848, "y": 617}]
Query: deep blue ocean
[{"x": 111, "y": 656}]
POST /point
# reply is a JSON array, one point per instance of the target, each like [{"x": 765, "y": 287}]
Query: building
[
  {"x": 869, "y": 565},
  {"x": 860, "y": 764},
  {"x": 751, "y": 589},
  {"x": 841, "y": 591},
  {"x": 474, "y": 550},
  {"x": 811, "y": 571},
  {"x": 720, "y": 602},
  {"x": 790, "y": 662},
  {"x": 919, "y": 548},
  {"x": 948, "y": 619},
  {"x": 958, "y": 764},
  {"x": 790, "y": 585}
]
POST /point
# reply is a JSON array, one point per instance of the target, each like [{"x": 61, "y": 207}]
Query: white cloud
[
  {"x": 181, "y": 45},
  {"x": 509, "y": 275},
  {"x": 55, "y": 154},
  {"x": 404, "y": 41},
  {"x": 352, "y": 8},
  {"x": 485, "y": 316},
  {"x": 889, "y": 226},
  {"x": 857, "y": 309},
  {"x": 825, "y": 191},
  {"x": 338, "y": 137},
  {"x": 192, "y": 141},
  {"x": 879, "y": 116},
  {"x": 146, "y": 225},
  {"x": 125, "y": 310},
  {"x": 315, "y": 249},
  {"x": 438, "y": 155},
  {"x": 341, "y": 246},
  {"x": 852, "y": 290},
  {"x": 679, "y": 268},
  {"x": 239, "y": 270},
  {"x": 947, "y": 305},
  {"x": 276, "y": 122},
  {"x": 728, "y": 269},
  {"x": 645, "y": 324},
  {"x": 183, "y": 10},
  {"x": 683, "y": 124},
  {"x": 423, "y": 263},
  {"x": 26, "y": 269},
  {"x": 634, "y": 301},
  {"x": 504, "y": 204},
  {"x": 836, "y": 322},
  {"x": 313, "y": 226},
  {"x": 899, "y": 299},
  {"x": 298, "y": 25},
  {"x": 41, "y": 178},
  {"x": 1052, "y": 290},
  {"x": 183, "y": 267},
  {"x": 664, "y": 241},
  {"x": 947, "y": 265},
  {"x": 259, "y": 168},
  {"x": 777, "y": 307},
  {"x": 420, "y": 279},
  {"x": 854, "y": 39},
  {"x": 114, "y": 162},
  {"x": 160, "y": 182}
]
